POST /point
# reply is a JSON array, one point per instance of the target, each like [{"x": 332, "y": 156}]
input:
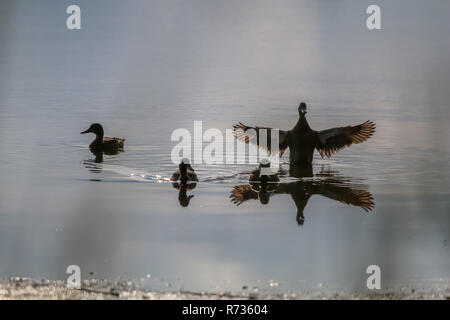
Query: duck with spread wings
[{"x": 302, "y": 140}]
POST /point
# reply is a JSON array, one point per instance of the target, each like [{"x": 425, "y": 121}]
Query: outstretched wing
[
  {"x": 242, "y": 193},
  {"x": 333, "y": 140},
  {"x": 253, "y": 135}
]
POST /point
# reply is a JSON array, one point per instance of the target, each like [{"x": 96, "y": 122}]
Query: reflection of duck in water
[
  {"x": 98, "y": 157},
  {"x": 183, "y": 198},
  {"x": 94, "y": 166},
  {"x": 263, "y": 173},
  {"x": 184, "y": 173},
  {"x": 180, "y": 180},
  {"x": 330, "y": 185},
  {"x": 262, "y": 181},
  {"x": 103, "y": 144},
  {"x": 302, "y": 140},
  {"x": 255, "y": 191}
]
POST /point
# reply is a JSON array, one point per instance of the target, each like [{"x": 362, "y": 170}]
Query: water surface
[{"x": 146, "y": 69}]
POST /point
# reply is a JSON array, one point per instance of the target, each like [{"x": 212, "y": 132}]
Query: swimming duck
[
  {"x": 302, "y": 140},
  {"x": 263, "y": 173},
  {"x": 101, "y": 143},
  {"x": 184, "y": 173}
]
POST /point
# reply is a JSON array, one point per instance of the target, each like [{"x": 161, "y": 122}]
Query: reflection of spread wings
[
  {"x": 251, "y": 135},
  {"x": 347, "y": 195},
  {"x": 243, "y": 193},
  {"x": 336, "y": 188}
]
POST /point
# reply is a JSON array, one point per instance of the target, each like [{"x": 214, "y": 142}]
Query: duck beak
[
  {"x": 189, "y": 167},
  {"x": 302, "y": 108},
  {"x": 87, "y": 131}
]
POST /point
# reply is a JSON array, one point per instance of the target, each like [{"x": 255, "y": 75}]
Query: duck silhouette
[
  {"x": 103, "y": 144},
  {"x": 302, "y": 140},
  {"x": 327, "y": 184},
  {"x": 183, "y": 198},
  {"x": 184, "y": 173}
]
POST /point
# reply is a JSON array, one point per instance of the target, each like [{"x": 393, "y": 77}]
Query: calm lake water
[{"x": 146, "y": 68}]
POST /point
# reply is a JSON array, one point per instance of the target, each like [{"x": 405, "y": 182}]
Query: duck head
[
  {"x": 302, "y": 108},
  {"x": 300, "y": 217},
  {"x": 184, "y": 166},
  {"x": 95, "y": 128},
  {"x": 264, "y": 197}
]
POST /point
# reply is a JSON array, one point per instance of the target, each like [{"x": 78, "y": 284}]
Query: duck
[
  {"x": 101, "y": 143},
  {"x": 302, "y": 141},
  {"x": 184, "y": 173},
  {"x": 263, "y": 173}
]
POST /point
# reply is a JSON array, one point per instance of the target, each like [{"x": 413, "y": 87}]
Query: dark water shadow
[
  {"x": 327, "y": 183},
  {"x": 93, "y": 164},
  {"x": 182, "y": 188}
]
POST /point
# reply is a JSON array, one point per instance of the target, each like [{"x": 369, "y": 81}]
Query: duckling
[
  {"x": 184, "y": 173},
  {"x": 263, "y": 173},
  {"x": 103, "y": 144}
]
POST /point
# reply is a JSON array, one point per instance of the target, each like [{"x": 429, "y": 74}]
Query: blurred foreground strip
[{"x": 41, "y": 289}]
